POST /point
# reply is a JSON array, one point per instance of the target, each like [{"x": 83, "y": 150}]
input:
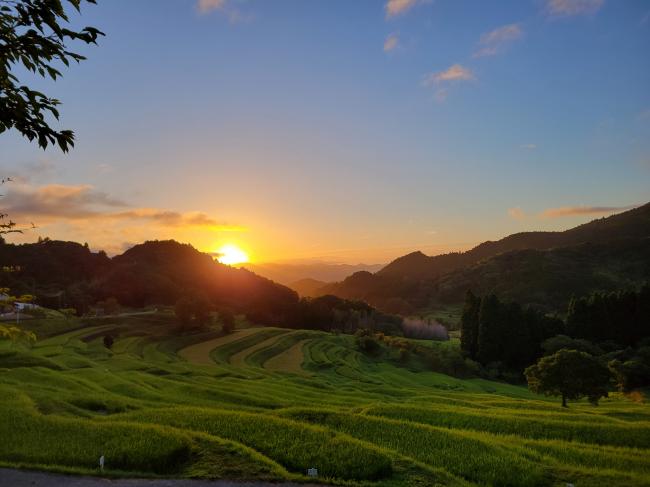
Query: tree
[
  {"x": 201, "y": 309},
  {"x": 469, "y": 325},
  {"x": 33, "y": 37},
  {"x": 558, "y": 342},
  {"x": 195, "y": 308},
  {"x": 109, "y": 305},
  {"x": 108, "y": 341},
  {"x": 570, "y": 374},
  {"x": 367, "y": 344},
  {"x": 490, "y": 330},
  {"x": 227, "y": 321},
  {"x": 184, "y": 310},
  {"x": 634, "y": 372}
]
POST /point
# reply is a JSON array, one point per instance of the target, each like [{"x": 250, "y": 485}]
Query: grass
[
  {"x": 163, "y": 405},
  {"x": 295, "y": 445}
]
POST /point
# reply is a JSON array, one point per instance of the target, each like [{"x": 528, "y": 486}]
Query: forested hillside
[
  {"x": 542, "y": 268},
  {"x": 67, "y": 274}
]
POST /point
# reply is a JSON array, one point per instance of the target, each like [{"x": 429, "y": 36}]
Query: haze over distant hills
[
  {"x": 288, "y": 273},
  {"x": 542, "y": 268}
]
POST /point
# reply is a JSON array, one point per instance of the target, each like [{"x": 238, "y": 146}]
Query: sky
[{"x": 341, "y": 131}]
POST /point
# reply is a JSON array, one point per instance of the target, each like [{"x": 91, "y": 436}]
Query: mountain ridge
[{"x": 413, "y": 281}]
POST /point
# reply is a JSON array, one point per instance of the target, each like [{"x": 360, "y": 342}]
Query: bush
[
  {"x": 631, "y": 374},
  {"x": 227, "y": 319},
  {"x": 108, "y": 341},
  {"x": 404, "y": 355},
  {"x": 367, "y": 344}
]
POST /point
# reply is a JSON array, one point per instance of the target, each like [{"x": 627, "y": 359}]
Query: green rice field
[{"x": 270, "y": 403}]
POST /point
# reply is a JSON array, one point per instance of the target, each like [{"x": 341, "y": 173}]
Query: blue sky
[{"x": 343, "y": 130}]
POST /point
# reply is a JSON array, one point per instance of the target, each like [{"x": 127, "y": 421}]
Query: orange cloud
[
  {"x": 398, "y": 7},
  {"x": 206, "y": 6},
  {"x": 455, "y": 72},
  {"x": 57, "y": 200},
  {"x": 567, "y": 8},
  {"x": 493, "y": 42},
  {"x": 60, "y": 203},
  {"x": 223, "y": 6},
  {"x": 583, "y": 210}
]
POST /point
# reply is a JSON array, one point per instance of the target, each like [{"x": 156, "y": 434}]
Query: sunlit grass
[{"x": 150, "y": 411}]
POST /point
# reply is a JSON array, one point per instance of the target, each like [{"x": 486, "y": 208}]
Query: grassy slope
[{"x": 151, "y": 412}]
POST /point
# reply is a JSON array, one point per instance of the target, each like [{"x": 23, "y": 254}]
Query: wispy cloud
[
  {"x": 391, "y": 42},
  {"x": 440, "y": 79},
  {"x": 169, "y": 218},
  {"x": 516, "y": 213},
  {"x": 57, "y": 200},
  {"x": 568, "y": 8},
  {"x": 455, "y": 72},
  {"x": 206, "y": 6},
  {"x": 583, "y": 210},
  {"x": 223, "y": 6},
  {"x": 528, "y": 146},
  {"x": 494, "y": 42},
  {"x": 69, "y": 203},
  {"x": 398, "y": 7}
]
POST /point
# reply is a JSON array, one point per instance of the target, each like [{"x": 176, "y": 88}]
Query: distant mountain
[
  {"x": 156, "y": 272},
  {"x": 548, "y": 278},
  {"x": 290, "y": 272},
  {"x": 630, "y": 224},
  {"x": 416, "y": 281},
  {"x": 307, "y": 287}
]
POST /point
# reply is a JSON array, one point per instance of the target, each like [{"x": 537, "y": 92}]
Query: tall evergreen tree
[
  {"x": 578, "y": 319},
  {"x": 516, "y": 338},
  {"x": 469, "y": 325},
  {"x": 642, "y": 315},
  {"x": 489, "y": 330}
]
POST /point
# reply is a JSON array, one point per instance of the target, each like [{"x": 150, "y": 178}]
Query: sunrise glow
[{"x": 230, "y": 254}]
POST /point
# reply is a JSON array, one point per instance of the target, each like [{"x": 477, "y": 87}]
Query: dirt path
[
  {"x": 26, "y": 478},
  {"x": 199, "y": 353}
]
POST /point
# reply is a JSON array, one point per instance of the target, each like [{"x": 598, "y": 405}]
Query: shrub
[
  {"x": 227, "y": 319},
  {"x": 108, "y": 341},
  {"x": 631, "y": 374},
  {"x": 367, "y": 344}
]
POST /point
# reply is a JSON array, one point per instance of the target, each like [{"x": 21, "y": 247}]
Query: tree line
[
  {"x": 494, "y": 330},
  {"x": 607, "y": 335},
  {"x": 506, "y": 332}
]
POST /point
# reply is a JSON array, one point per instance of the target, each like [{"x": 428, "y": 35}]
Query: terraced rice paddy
[{"x": 269, "y": 403}]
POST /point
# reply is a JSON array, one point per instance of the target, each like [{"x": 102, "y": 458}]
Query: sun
[{"x": 230, "y": 254}]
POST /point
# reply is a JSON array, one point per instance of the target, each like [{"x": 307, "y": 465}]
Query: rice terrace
[
  {"x": 356, "y": 243},
  {"x": 270, "y": 403}
]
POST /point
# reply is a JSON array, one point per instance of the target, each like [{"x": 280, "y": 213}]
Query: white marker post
[{"x": 101, "y": 463}]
